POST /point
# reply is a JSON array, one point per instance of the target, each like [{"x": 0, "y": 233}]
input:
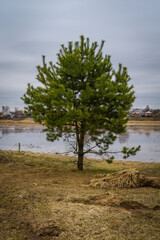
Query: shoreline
[
  {"x": 31, "y": 122},
  {"x": 58, "y": 156}
]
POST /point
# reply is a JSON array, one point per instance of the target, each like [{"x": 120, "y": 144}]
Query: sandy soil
[{"x": 44, "y": 197}]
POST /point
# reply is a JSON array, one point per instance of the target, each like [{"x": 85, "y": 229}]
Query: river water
[{"x": 34, "y": 139}]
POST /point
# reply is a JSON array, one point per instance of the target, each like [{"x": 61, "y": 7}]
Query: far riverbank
[
  {"x": 16, "y": 122},
  {"x": 31, "y": 122}
]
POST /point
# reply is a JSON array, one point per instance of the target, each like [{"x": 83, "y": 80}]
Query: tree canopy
[{"x": 83, "y": 97}]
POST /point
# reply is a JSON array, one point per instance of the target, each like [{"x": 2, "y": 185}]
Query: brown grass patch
[
  {"x": 44, "y": 197},
  {"x": 125, "y": 179},
  {"x": 16, "y": 122}
]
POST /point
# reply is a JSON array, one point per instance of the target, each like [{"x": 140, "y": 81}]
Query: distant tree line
[{"x": 7, "y": 114}]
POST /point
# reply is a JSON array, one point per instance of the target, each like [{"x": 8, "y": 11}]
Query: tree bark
[
  {"x": 80, "y": 132},
  {"x": 80, "y": 162},
  {"x": 80, "y": 151}
]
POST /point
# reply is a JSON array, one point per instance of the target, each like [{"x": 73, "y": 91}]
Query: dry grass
[
  {"x": 30, "y": 122},
  {"x": 24, "y": 122},
  {"x": 43, "y": 196},
  {"x": 125, "y": 179},
  {"x": 148, "y": 121}
]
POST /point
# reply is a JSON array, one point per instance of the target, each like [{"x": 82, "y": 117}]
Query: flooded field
[{"x": 34, "y": 139}]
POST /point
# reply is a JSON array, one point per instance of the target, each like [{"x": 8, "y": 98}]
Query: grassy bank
[
  {"x": 18, "y": 122},
  {"x": 43, "y": 196}
]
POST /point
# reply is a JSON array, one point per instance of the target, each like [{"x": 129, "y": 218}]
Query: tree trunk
[
  {"x": 80, "y": 162},
  {"x": 80, "y": 152},
  {"x": 80, "y": 132}
]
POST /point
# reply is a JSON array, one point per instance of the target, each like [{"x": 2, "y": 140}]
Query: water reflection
[
  {"x": 9, "y": 130},
  {"x": 143, "y": 129},
  {"x": 123, "y": 138},
  {"x": 147, "y": 134}
]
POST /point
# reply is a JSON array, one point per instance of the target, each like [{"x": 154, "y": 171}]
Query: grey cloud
[
  {"x": 35, "y": 49},
  {"x": 35, "y": 27},
  {"x": 8, "y": 69},
  {"x": 14, "y": 66}
]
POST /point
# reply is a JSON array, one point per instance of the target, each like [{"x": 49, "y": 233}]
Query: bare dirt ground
[{"x": 44, "y": 197}]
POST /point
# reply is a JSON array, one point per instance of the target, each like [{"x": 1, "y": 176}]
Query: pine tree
[{"x": 82, "y": 95}]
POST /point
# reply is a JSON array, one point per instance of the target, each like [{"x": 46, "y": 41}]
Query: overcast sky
[{"x": 32, "y": 28}]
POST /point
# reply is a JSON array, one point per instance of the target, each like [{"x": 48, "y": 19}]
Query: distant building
[
  {"x": 136, "y": 112},
  {"x": 140, "y": 113},
  {"x": 148, "y": 114}
]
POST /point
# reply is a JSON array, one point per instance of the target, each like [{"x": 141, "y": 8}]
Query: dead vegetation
[
  {"x": 18, "y": 122},
  {"x": 125, "y": 179},
  {"x": 44, "y": 197}
]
